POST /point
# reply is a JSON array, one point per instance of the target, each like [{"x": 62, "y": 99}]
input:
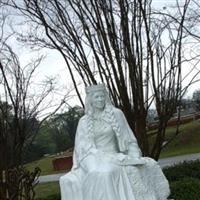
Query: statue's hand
[
  {"x": 133, "y": 161},
  {"x": 128, "y": 160},
  {"x": 121, "y": 157}
]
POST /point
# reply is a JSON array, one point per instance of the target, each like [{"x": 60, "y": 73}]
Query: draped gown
[{"x": 110, "y": 176}]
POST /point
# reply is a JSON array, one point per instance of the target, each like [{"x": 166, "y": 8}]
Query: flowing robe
[{"x": 117, "y": 170}]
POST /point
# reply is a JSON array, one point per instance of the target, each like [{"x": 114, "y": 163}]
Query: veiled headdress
[
  {"x": 90, "y": 90},
  {"x": 94, "y": 88}
]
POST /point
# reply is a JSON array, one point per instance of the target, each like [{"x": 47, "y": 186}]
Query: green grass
[
  {"x": 187, "y": 142},
  {"x": 45, "y": 164},
  {"x": 47, "y": 189}
]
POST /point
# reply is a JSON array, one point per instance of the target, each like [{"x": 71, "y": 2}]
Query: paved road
[
  {"x": 177, "y": 159},
  {"x": 50, "y": 178},
  {"x": 162, "y": 162}
]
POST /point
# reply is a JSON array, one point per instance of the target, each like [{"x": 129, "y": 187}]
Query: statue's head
[{"x": 96, "y": 97}]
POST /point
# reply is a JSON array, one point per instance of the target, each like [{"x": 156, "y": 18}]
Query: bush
[
  {"x": 183, "y": 170},
  {"x": 185, "y": 189},
  {"x": 184, "y": 180}
]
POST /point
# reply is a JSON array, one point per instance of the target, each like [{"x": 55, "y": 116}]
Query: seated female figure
[{"x": 107, "y": 162}]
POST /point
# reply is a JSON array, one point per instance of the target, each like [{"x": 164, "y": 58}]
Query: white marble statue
[{"x": 107, "y": 162}]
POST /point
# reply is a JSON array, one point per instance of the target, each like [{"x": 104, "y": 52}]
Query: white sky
[{"x": 54, "y": 64}]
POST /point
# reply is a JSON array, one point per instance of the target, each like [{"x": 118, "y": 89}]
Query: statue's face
[{"x": 98, "y": 99}]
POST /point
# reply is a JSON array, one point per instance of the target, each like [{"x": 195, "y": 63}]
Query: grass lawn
[
  {"x": 45, "y": 164},
  {"x": 44, "y": 190},
  {"x": 187, "y": 142}
]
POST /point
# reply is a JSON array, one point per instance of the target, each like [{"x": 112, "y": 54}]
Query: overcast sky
[{"x": 54, "y": 65}]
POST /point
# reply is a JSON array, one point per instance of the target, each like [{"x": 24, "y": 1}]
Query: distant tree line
[
  {"x": 188, "y": 105},
  {"x": 196, "y": 99},
  {"x": 56, "y": 135}
]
